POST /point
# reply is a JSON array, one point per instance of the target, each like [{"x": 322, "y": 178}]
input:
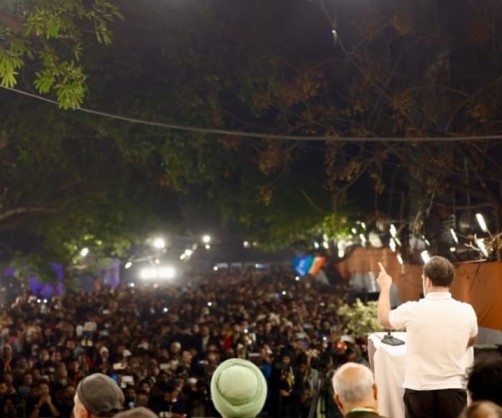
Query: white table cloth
[{"x": 387, "y": 363}]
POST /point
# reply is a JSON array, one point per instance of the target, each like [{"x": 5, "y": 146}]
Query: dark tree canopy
[{"x": 407, "y": 70}]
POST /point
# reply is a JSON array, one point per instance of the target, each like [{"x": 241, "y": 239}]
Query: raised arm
[{"x": 383, "y": 307}]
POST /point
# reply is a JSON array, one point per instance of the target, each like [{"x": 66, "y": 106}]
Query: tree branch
[{"x": 10, "y": 22}]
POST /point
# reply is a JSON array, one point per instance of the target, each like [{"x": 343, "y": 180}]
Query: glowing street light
[{"x": 206, "y": 239}]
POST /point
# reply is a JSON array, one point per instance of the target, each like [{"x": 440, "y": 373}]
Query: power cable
[{"x": 257, "y": 135}]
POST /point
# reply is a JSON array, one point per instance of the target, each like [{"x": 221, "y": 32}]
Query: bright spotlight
[
  {"x": 481, "y": 221},
  {"x": 215, "y": 268},
  {"x": 425, "y": 256},
  {"x": 206, "y": 239},
  {"x": 159, "y": 243},
  {"x": 84, "y": 251},
  {"x": 128, "y": 265},
  {"x": 161, "y": 273},
  {"x": 207, "y": 246}
]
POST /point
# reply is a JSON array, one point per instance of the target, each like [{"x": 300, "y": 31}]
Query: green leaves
[
  {"x": 53, "y": 37},
  {"x": 11, "y": 60}
]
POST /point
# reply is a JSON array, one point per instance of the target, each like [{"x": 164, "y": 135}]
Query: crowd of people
[
  {"x": 167, "y": 348},
  {"x": 162, "y": 344}
]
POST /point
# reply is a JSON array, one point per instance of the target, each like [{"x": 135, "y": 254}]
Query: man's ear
[{"x": 338, "y": 402}]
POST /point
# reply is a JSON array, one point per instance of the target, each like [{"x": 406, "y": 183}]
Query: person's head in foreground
[
  {"x": 238, "y": 389},
  {"x": 439, "y": 272},
  {"x": 482, "y": 409},
  {"x": 98, "y": 396},
  {"x": 354, "y": 387},
  {"x": 484, "y": 380},
  {"x": 139, "y": 412}
]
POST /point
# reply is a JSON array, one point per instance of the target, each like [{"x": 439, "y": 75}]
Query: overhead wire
[{"x": 259, "y": 135}]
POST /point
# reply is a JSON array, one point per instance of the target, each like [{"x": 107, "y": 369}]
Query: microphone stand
[{"x": 390, "y": 340}]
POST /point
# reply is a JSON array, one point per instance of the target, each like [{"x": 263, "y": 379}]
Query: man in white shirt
[{"x": 439, "y": 329}]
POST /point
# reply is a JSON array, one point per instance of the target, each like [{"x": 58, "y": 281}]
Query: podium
[{"x": 387, "y": 364}]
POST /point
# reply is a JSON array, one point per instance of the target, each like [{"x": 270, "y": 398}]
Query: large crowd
[{"x": 161, "y": 344}]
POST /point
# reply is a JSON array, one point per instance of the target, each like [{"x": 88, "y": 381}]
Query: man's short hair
[
  {"x": 440, "y": 271},
  {"x": 356, "y": 387},
  {"x": 138, "y": 412},
  {"x": 100, "y": 395},
  {"x": 481, "y": 409},
  {"x": 484, "y": 379}
]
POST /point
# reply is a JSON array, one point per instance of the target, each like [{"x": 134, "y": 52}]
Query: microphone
[{"x": 390, "y": 340}]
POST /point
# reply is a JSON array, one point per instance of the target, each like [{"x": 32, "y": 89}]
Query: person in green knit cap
[{"x": 238, "y": 389}]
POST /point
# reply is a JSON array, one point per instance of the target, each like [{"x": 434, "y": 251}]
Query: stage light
[
  {"x": 160, "y": 273},
  {"x": 159, "y": 243},
  {"x": 481, "y": 221},
  {"x": 206, "y": 239}
]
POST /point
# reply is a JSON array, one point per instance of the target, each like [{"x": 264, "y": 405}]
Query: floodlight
[{"x": 159, "y": 243}]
